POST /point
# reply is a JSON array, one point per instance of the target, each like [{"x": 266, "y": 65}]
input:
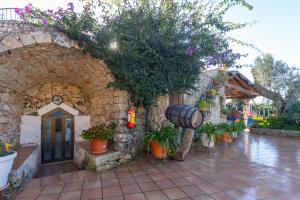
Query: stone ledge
[
  {"x": 276, "y": 132},
  {"x": 109, "y": 160}
]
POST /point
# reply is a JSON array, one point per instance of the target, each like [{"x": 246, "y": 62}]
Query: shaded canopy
[{"x": 239, "y": 87}]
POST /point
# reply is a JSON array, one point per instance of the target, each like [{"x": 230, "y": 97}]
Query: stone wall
[
  {"x": 10, "y": 115},
  {"x": 41, "y": 95},
  {"x": 275, "y": 132}
]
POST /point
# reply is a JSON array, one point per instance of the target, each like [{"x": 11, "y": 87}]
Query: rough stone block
[
  {"x": 42, "y": 37},
  {"x": 27, "y": 39},
  {"x": 11, "y": 42}
]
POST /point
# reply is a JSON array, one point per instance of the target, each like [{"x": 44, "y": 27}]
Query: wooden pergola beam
[{"x": 242, "y": 90}]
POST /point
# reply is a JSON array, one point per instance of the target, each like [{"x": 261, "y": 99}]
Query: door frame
[{"x": 43, "y": 117}]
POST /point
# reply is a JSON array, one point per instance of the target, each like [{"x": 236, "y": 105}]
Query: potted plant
[
  {"x": 221, "y": 79},
  {"x": 212, "y": 92},
  {"x": 204, "y": 105},
  {"x": 7, "y": 157},
  {"x": 98, "y": 136},
  {"x": 208, "y": 133},
  {"x": 226, "y": 128},
  {"x": 163, "y": 142}
]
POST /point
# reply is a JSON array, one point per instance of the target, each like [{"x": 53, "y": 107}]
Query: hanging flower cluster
[{"x": 34, "y": 15}]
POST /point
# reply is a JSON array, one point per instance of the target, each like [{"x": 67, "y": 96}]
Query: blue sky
[{"x": 277, "y": 30}]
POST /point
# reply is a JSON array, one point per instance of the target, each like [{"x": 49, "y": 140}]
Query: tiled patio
[{"x": 256, "y": 167}]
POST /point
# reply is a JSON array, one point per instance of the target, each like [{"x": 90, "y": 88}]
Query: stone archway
[{"x": 37, "y": 63}]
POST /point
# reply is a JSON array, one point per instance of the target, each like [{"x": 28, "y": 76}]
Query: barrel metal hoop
[
  {"x": 179, "y": 115},
  {"x": 202, "y": 120},
  {"x": 185, "y": 116}
]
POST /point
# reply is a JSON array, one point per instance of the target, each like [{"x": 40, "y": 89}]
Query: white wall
[{"x": 30, "y": 130}]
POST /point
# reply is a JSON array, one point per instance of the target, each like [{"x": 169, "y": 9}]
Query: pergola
[{"x": 239, "y": 87}]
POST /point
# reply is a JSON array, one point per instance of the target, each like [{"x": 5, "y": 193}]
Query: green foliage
[
  {"x": 278, "y": 123},
  {"x": 101, "y": 132},
  {"x": 205, "y": 105},
  {"x": 167, "y": 137},
  {"x": 212, "y": 131},
  {"x": 236, "y": 128},
  {"x": 292, "y": 114},
  {"x": 221, "y": 79},
  {"x": 153, "y": 47}
]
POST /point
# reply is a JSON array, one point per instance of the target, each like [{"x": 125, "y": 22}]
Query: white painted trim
[{"x": 51, "y": 106}]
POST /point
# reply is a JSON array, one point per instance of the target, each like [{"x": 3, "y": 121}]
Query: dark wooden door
[{"x": 57, "y": 136}]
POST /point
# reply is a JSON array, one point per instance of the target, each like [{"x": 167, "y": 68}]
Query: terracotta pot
[
  {"x": 226, "y": 137},
  {"x": 98, "y": 146},
  {"x": 158, "y": 151}
]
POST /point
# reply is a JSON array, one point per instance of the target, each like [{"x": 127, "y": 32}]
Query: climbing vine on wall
[{"x": 153, "y": 47}]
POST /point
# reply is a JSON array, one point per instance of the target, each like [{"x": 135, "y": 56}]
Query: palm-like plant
[{"x": 167, "y": 137}]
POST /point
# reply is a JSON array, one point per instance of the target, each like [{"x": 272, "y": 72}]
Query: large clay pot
[
  {"x": 206, "y": 142},
  {"x": 158, "y": 151},
  {"x": 227, "y": 138},
  {"x": 98, "y": 146},
  {"x": 6, "y": 163}
]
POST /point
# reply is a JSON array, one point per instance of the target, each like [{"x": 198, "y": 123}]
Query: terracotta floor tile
[
  {"x": 48, "y": 197},
  {"x": 174, "y": 193},
  {"x": 163, "y": 184},
  {"x": 208, "y": 188},
  {"x": 111, "y": 191},
  {"x": 114, "y": 198},
  {"x": 110, "y": 182},
  {"x": 180, "y": 181},
  {"x": 148, "y": 186},
  {"x": 191, "y": 190},
  {"x": 222, "y": 196},
  {"x": 126, "y": 180},
  {"x": 142, "y": 179},
  {"x": 92, "y": 184},
  {"x": 53, "y": 189},
  {"x": 50, "y": 180},
  {"x": 91, "y": 194},
  {"x": 137, "y": 196},
  {"x": 70, "y": 187},
  {"x": 130, "y": 189},
  {"x": 75, "y": 195},
  {"x": 203, "y": 197},
  {"x": 156, "y": 195},
  {"x": 30, "y": 192},
  {"x": 33, "y": 183}
]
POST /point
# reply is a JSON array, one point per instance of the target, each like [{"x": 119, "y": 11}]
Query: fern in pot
[
  {"x": 98, "y": 136},
  {"x": 208, "y": 133},
  {"x": 162, "y": 142}
]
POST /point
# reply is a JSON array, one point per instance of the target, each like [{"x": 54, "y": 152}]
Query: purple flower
[
  {"x": 70, "y": 6},
  {"x": 45, "y": 21},
  {"x": 117, "y": 18},
  {"x": 50, "y": 12},
  {"x": 28, "y": 8},
  {"x": 56, "y": 17},
  {"x": 190, "y": 51}
]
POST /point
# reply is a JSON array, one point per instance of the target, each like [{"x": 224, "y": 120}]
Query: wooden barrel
[{"x": 186, "y": 116}]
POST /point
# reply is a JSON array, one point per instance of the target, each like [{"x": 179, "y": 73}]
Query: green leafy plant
[
  {"x": 212, "y": 92},
  {"x": 101, "y": 132},
  {"x": 212, "y": 131},
  {"x": 221, "y": 79},
  {"x": 167, "y": 137},
  {"x": 205, "y": 105}
]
